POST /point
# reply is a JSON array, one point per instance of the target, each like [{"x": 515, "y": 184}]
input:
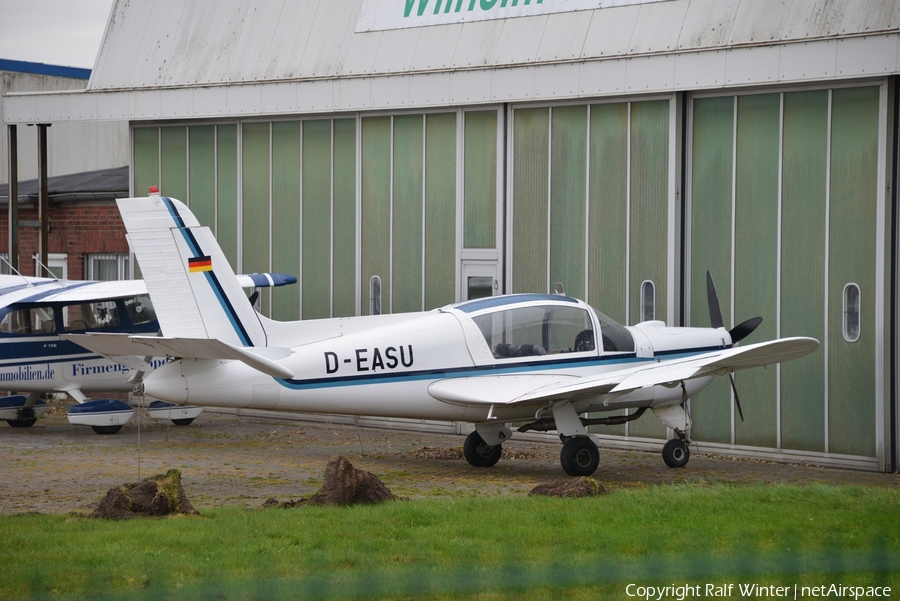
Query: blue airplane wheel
[
  {"x": 21, "y": 423},
  {"x": 480, "y": 454},
  {"x": 183, "y": 421},
  {"x": 579, "y": 456},
  {"x": 676, "y": 453}
]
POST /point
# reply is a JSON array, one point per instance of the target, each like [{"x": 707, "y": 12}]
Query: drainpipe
[{"x": 13, "y": 190}]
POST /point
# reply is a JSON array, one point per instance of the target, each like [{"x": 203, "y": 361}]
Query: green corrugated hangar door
[
  {"x": 783, "y": 211},
  {"x": 590, "y": 200}
]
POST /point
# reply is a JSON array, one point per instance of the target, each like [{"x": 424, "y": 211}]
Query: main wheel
[
  {"x": 480, "y": 454},
  {"x": 676, "y": 453},
  {"x": 21, "y": 423},
  {"x": 183, "y": 422},
  {"x": 579, "y": 456},
  {"x": 106, "y": 429}
]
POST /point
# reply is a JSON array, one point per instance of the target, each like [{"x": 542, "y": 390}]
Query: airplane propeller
[{"x": 737, "y": 333}]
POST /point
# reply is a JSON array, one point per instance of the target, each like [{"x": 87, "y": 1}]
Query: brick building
[{"x": 86, "y": 237}]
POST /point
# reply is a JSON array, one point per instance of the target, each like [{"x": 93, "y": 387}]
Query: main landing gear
[
  {"x": 480, "y": 454},
  {"x": 579, "y": 456}
]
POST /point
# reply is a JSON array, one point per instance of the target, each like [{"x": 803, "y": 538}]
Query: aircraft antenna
[
  {"x": 47, "y": 269},
  {"x": 8, "y": 264}
]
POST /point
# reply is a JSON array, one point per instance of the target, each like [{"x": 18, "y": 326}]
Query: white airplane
[
  {"x": 536, "y": 358},
  {"x": 34, "y": 358}
]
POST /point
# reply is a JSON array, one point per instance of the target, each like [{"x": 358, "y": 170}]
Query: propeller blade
[
  {"x": 712, "y": 299},
  {"x": 737, "y": 399},
  {"x": 744, "y": 329}
]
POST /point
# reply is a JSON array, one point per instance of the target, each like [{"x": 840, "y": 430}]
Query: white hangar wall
[{"x": 620, "y": 151}]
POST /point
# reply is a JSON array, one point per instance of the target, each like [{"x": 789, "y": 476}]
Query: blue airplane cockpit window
[
  {"x": 35, "y": 320},
  {"x": 536, "y": 331},
  {"x": 90, "y": 316},
  {"x": 140, "y": 309}
]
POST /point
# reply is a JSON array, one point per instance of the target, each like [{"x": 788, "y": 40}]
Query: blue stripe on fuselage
[{"x": 484, "y": 370}]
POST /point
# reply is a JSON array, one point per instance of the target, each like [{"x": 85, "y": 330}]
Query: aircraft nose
[{"x": 166, "y": 383}]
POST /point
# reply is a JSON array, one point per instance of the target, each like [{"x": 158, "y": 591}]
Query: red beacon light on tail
[{"x": 153, "y": 190}]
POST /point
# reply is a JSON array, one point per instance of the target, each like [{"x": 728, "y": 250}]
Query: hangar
[{"x": 399, "y": 155}]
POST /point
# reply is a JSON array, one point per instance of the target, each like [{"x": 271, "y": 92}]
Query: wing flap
[{"x": 119, "y": 345}]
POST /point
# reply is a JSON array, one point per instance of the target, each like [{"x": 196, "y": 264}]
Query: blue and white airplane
[
  {"x": 541, "y": 359},
  {"x": 35, "y": 359}
]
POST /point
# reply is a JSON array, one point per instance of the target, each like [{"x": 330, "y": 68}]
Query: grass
[{"x": 486, "y": 548}]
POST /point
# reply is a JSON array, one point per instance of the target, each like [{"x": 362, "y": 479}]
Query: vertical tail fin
[{"x": 194, "y": 290}]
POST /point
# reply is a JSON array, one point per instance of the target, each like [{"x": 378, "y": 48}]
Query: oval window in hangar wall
[
  {"x": 851, "y": 313},
  {"x": 648, "y": 300}
]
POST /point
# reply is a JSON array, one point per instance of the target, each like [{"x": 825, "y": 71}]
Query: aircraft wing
[
  {"x": 120, "y": 347},
  {"x": 541, "y": 389}
]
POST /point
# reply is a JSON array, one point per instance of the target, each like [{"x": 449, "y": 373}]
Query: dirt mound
[
  {"x": 154, "y": 496},
  {"x": 570, "y": 487},
  {"x": 346, "y": 485}
]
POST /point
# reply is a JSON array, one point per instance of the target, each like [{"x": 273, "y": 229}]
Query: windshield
[{"x": 616, "y": 338}]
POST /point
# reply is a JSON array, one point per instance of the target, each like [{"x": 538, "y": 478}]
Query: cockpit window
[
  {"x": 140, "y": 309},
  {"x": 616, "y": 338},
  {"x": 91, "y": 316},
  {"x": 535, "y": 331},
  {"x": 37, "y": 320}
]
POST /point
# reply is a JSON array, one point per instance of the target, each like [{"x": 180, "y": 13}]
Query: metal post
[
  {"x": 13, "y": 197},
  {"x": 43, "y": 202}
]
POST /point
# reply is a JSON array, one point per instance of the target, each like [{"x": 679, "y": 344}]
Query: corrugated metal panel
[
  {"x": 658, "y": 26},
  {"x": 397, "y": 55},
  {"x": 564, "y": 36},
  {"x": 175, "y": 43},
  {"x": 519, "y": 40},
  {"x": 758, "y": 22},
  {"x": 440, "y": 43},
  {"x": 707, "y": 23},
  {"x": 610, "y": 33},
  {"x": 322, "y": 54},
  {"x": 476, "y": 44},
  {"x": 154, "y": 46},
  {"x": 290, "y": 39}
]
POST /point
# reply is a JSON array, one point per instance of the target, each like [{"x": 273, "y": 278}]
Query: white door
[{"x": 479, "y": 279}]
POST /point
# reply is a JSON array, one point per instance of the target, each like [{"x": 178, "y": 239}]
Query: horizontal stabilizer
[{"x": 123, "y": 345}]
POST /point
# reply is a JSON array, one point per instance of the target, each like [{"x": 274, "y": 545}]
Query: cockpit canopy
[{"x": 536, "y": 325}]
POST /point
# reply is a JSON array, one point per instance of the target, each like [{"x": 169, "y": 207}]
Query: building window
[
  {"x": 851, "y": 312},
  {"x": 648, "y": 301},
  {"x": 108, "y": 267},
  {"x": 375, "y": 295}
]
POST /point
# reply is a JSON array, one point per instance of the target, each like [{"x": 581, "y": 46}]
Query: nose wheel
[{"x": 676, "y": 453}]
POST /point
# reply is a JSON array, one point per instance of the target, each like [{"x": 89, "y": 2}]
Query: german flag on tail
[{"x": 200, "y": 264}]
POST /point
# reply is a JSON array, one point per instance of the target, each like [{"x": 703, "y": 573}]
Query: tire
[
  {"x": 579, "y": 456},
  {"x": 478, "y": 453},
  {"x": 106, "y": 429},
  {"x": 676, "y": 453},
  {"x": 21, "y": 423},
  {"x": 183, "y": 422}
]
